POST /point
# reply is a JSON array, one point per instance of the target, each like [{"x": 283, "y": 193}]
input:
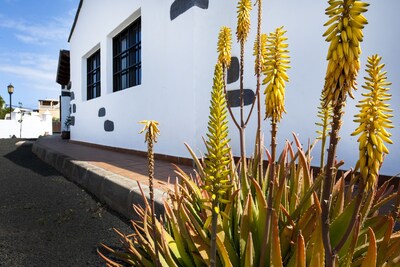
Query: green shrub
[{"x": 242, "y": 214}]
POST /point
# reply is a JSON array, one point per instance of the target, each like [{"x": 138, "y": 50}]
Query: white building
[
  {"x": 134, "y": 59},
  {"x": 26, "y": 124}
]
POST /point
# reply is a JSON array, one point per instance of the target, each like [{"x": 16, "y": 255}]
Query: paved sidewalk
[{"x": 109, "y": 175}]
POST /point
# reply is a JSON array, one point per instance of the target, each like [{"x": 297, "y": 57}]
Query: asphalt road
[{"x": 46, "y": 220}]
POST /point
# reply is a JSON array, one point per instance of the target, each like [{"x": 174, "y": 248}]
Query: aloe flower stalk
[
  {"x": 325, "y": 115},
  {"x": 243, "y": 20},
  {"x": 224, "y": 47},
  {"x": 260, "y": 66},
  {"x": 373, "y": 119},
  {"x": 344, "y": 34},
  {"x": 259, "y": 53},
  {"x": 217, "y": 182},
  {"x": 275, "y": 67},
  {"x": 242, "y": 31},
  {"x": 276, "y": 62},
  {"x": 152, "y": 132}
]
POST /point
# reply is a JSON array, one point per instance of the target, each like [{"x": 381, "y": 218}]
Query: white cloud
[
  {"x": 45, "y": 33},
  {"x": 29, "y": 73}
]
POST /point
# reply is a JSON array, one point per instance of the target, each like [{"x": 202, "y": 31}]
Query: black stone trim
[
  {"x": 108, "y": 126},
  {"x": 102, "y": 112},
  {"x": 234, "y": 97},
  {"x": 179, "y": 7},
  {"x": 72, "y": 120},
  {"x": 63, "y": 93}
]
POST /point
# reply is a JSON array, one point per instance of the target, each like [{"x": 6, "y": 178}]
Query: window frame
[
  {"x": 126, "y": 54},
  {"x": 93, "y": 75}
]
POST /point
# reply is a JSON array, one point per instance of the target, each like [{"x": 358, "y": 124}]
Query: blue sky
[{"x": 31, "y": 35}]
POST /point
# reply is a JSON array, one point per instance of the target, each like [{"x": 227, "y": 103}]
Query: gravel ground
[{"x": 46, "y": 220}]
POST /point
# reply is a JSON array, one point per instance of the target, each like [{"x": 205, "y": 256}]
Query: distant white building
[
  {"x": 131, "y": 60},
  {"x": 26, "y": 124},
  {"x": 49, "y": 105}
]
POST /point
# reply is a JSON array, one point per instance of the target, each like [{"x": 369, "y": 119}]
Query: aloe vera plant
[{"x": 218, "y": 217}]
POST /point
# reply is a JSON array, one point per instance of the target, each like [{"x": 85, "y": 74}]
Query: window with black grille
[
  {"x": 93, "y": 75},
  {"x": 127, "y": 67}
]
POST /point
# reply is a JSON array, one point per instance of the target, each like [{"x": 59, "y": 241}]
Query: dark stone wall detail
[
  {"x": 233, "y": 70},
  {"x": 102, "y": 112},
  {"x": 179, "y": 7},
  {"x": 234, "y": 97},
  {"x": 63, "y": 93},
  {"x": 73, "y": 108},
  {"x": 72, "y": 96},
  {"x": 72, "y": 120},
  {"x": 108, "y": 126}
]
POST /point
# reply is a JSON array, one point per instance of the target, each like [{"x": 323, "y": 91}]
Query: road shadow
[{"x": 19, "y": 152}]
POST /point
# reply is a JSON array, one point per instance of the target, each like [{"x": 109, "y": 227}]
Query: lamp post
[{"x": 10, "y": 89}]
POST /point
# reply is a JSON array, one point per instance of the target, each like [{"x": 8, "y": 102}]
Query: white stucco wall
[
  {"x": 31, "y": 125},
  {"x": 178, "y": 60}
]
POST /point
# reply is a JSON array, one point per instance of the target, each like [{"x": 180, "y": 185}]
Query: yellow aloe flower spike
[
  {"x": 263, "y": 48},
  {"x": 152, "y": 130},
  {"x": 275, "y": 67},
  {"x": 224, "y": 47},
  {"x": 373, "y": 119},
  {"x": 345, "y": 34},
  {"x": 218, "y": 152},
  {"x": 243, "y": 24}
]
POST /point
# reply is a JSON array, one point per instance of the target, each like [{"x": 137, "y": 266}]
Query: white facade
[
  {"x": 28, "y": 125},
  {"x": 65, "y": 107},
  {"x": 178, "y": 57}
]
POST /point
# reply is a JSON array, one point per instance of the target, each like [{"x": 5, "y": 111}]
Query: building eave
[
  {"x": 75, "y": 20},
  {"x": 63, "y": 69}
]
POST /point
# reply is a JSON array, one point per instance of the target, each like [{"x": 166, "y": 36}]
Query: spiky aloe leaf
[
  {"x": 276, "y": 257},
  {"x": 383, "y": 247},
  {"x": 246, "y": 224},
  {"x": 338, "y": 205},
  {"x": 370, "y": 258},
  {"x": 317, "y": 257},
  {"x": 300, "y": 251},
  {"x": 202, "y": 247},
  {"x": 225, "y": 249},
  {"x": 249, "y": 253},
  {"x": 179, "y": 237},
  {"x": 337, "y": 229}
]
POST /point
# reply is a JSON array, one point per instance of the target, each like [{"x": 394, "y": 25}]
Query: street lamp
[{"x": 10, "y": 89}]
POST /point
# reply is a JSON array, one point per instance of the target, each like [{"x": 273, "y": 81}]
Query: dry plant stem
[
  {"x": 228, "y": 106},
  {"x": 150, "y": 157},
  {"x": 328, "y": 182},
  {"x": 271, "y": 182},
  {"x": 242, "y": 124},
  {"x": 259, "y": 119},
  {"x": 322, "y": 162},
  {"x": 323, "y": 144},
  {"x": 213, "y": 247}
]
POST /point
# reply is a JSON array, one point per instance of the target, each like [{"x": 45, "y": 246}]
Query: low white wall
[{"x": 32, "y": 125}]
